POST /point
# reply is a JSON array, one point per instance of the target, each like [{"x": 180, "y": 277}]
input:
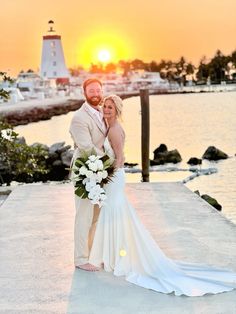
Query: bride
[{"x": 123, "y": 245}]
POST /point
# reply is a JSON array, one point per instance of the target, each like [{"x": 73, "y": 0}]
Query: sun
[
  {"x": 102, "y": 46},
  {"x": 104, "y": 55}
]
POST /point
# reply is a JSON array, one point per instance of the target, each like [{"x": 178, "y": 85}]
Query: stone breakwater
[
  {"x": 25, "y": 112},
  {"x": 20, "y": 114}
]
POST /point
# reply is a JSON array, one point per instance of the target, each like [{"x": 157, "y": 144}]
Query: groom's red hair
[{"x": 91, "y": 80}]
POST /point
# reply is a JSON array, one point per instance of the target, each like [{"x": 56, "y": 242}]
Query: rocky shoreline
[{"x": 22, "y": 116}]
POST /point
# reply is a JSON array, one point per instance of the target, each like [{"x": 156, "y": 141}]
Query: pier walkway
[{"x": 37, "y": 274}]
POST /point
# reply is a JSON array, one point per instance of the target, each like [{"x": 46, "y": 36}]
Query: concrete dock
[{"x": 37, "y": 274}]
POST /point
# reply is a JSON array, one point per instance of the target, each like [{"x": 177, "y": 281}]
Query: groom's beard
[{"x": 94, "y": 100}]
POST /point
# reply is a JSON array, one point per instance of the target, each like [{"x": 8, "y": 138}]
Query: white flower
[
  {"x": 102, "y": 200},
  {"x": 93, "y": 166},
  {"x": 92, "y": 158},
  {"x": 85, "y": 181},
  {"x": 97, "y": 189},
  {"x": 93, "y": 177},
  {"x": 83, "y": 171},
  {"x": 95, "y": 192},
  {"x": 103, "y": 197},
  {"x": 95, "y": 201},
  {"x": 7, "y": 134},
  {"x": 99, "y": 164},
  {"x": 104, "y": 174},
  {"x": 89, "y": 174},
  {"x": 99, "y": 176},
  {"x": 92, "y": 194},
  {"x": 98, "y": 199},
  {"x": 90, "y": 185},
  {"x": 94, "y": 163}
]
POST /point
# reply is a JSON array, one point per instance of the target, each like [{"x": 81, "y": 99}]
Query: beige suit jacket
[{"x": 87, "y": 132}]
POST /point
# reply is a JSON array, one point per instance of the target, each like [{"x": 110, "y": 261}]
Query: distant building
[{"x": 52, "y": 61}]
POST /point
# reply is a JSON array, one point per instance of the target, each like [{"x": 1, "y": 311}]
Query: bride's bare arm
[{"x": 117, "y": 143}]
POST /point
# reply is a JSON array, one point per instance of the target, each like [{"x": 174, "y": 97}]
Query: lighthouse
[{"x": 52, "y": 61}]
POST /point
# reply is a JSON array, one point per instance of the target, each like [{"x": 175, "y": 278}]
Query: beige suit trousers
[{"x": 85, "y": 225}]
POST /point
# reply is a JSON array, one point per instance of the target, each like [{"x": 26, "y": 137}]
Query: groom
[{"x": 88, "y": 131}]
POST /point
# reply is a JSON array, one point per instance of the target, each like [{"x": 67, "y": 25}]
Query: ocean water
[{"x": 187, "y": 122}]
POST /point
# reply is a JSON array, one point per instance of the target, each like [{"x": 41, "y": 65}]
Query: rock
[
  {"x": 213, "y": 153},
  {"x": 57, "y": 163},
  {"x": 212, "y": 201},
  {"x": 53, "y": 156},
  {"x": 162, "y": 156},
  {"x": 194, "y": 161},
  {"x": 20, "y": 140},
  {"x": 173, "y": 156},
  {"x": 161, "y": 149},
  {"x": 3, "y": 166},
  {"x": 130, "y": 164},
  {"x": 59, "y": 159},
  {"x": 56, "y": 147},
  {"x": 24, "y": 177},
  {"x": 156, "y": 162},
  {"x": 66, "y": 157},
  {"x": 63, "y": 149},
  {"x": 58, "y": 171},
  {"x": 43, "y": 146},
  {"x": 5, "y": 192}
]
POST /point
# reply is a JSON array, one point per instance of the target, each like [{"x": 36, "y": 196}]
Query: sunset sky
[{"x": 129, "y": 29}]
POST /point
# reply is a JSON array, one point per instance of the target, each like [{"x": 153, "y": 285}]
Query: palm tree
[
  {"x": 125, "y": 66},
  {"x": 233, "y": 57},
  {"x": 110, "y": 67},
  {"x": 218, "y": 67},
  {"x": 203, "y": 71},
  {"x": 96, "y": 68},
  {"x": 153, "y": 66},
  {"x": 137, "y": 64}
]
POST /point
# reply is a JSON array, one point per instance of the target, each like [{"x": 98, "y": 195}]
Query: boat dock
[{"x": 37, "y": 273}]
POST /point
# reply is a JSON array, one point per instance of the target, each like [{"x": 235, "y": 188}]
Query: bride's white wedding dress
[{"x": 125, "y": 247}]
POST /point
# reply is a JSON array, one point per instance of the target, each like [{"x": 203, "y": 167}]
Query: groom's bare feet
[{"x": 88, "y": 267}]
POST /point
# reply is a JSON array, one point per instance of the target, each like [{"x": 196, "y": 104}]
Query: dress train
[{"x": 125, "y": 247}]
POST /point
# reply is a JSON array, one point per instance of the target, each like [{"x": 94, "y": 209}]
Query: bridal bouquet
[{"x": 92, "y": 172}]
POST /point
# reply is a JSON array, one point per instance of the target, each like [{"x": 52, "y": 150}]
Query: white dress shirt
[{"x": 99, "y": 115}]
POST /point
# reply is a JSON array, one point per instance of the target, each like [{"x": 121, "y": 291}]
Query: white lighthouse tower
[{"x": 53, "y": 61}]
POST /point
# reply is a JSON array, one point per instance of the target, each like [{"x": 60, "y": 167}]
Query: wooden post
[{"x": 144, "y": 95}]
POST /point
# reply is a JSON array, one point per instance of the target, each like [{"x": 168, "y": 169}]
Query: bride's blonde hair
[{"x": 117, "y": 102}]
